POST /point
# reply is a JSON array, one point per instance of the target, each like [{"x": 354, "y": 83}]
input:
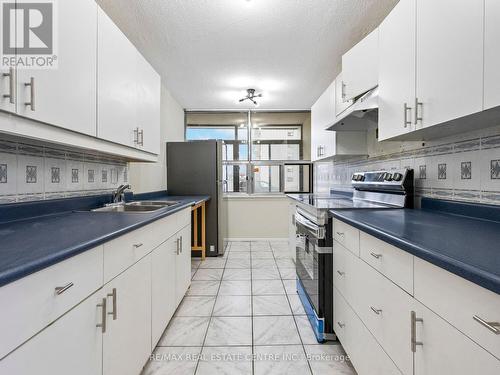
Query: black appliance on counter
[{"x": 314, "y": 236}]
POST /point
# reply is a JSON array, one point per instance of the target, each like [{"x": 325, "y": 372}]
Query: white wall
[
  {"x": 257, "y": 217},
  {"x": 147, "y": 177}
]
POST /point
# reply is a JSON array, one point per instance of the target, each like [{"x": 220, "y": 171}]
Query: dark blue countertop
[
  {"x": 467, "y": 246},
  {"x": 31, "y": 244}
]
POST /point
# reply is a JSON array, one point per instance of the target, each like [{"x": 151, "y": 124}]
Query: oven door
[{"x": 310, "y": 237}]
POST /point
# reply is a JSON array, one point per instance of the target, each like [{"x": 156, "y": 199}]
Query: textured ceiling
[{"x": 209, "y": 52}]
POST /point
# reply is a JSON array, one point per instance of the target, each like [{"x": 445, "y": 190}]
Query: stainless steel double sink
[{"x": 136, "y": 206}]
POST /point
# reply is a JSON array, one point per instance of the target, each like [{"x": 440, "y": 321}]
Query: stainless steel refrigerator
[{"x": 195, "y": 168}]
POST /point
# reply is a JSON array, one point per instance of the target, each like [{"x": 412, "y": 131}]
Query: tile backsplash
[
  {"x": 465, "y": 167},
  {"x": 34, "y": 172}
]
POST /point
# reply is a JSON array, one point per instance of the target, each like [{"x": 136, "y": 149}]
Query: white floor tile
[
  {"x": 173, "y": 360},
  {"x": 267, "y": 287},
  {"x": 280, "y": 360},
  {"x": 271, "y": 305},
  {"x": 208, "y": 274},
  {"x": 230, "y": 360},
  {"x": 233, "y": 306},
  {"x": 275, "y": 330},
  {"x": 235, "y": 288},
  {"x": 196, "y": 306},
  {"x": 185, "y": 332},
  {"x": 203, "y": 288},
  {"x": 229, "y": 331},
  {"x": 328, "y": 359},
  {"x": 236, "y": 274}
]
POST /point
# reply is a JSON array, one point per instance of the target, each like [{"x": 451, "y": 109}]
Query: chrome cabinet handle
[
  {"x": 177, "y": 241},
  {"x": 102, "y": 305},
  {"x": 341, "y": 325},
  {"x": 417, "y": 117},
  {"x": 61, "y": 289},
  {"x": 376, "y": 256},
  {"x": 31, "y": 85},
  {"x": 413, "y": 337},
  {"x": 113, "y": 313},
  {"x": 343, "y": 91},
  {"x": 340, "y": 234},
  {"x": 12, "y": 85},
  {"x": 341, "y": 273},
  {"x": 180, "y": 245},
  {"x": 406, "y": 109},
  {"x": 137, "y": 245},
  {"x": 375, "y": 310},
  {"x": 492, "y": 326}
]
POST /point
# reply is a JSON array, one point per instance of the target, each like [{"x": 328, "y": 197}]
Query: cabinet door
[
  {"x": 116, "y": 84},
  {"x": 127, "y": 341},
  {"x": 183, "y": 264},
  {"x": 322, "y": 115},
  {"x": 491, "y": 54},
  {"x": 148, "y": 116},
  {"x": 8, "y": 87},
  {"x": 449, "y": 59},
  {"x": 163, "y": 296},
  {"x": 71, "y": 345},
  {"x": 65, "y": 96},
  {"x": 360, "y": 66},
  {"x": 445, "y": 350},
  {"x": 341, "y": 103},
  {"x": 397, "y": 71}
]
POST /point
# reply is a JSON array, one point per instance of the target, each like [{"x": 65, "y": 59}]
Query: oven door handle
[{"x": 316, "y": 230}]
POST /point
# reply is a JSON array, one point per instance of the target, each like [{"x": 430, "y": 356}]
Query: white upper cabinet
[
  {"x": 492, "y": 54},
  {"x": 116, "y": 84},
  {"x": 360, "y": 66},
  {"x": 449, "y": 69},
  {"x": 65, "y": 96},
  {"x": 148, "y": 111},
  {"x": 323, "y": 115},
  {"x": 341, "y": 104},
  {"x": 128, "y": 89},
  {"x": 397, "y": 71}
]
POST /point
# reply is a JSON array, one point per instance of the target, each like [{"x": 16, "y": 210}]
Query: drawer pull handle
[
  {"x": 376, "y": 256},
  {"x": 413, "y": 338},
  {"x": 102, "y": 305},
  {"x": 114, "y": 313},
  {"x": 340, "y": 234},
  {"x": 137, "y": 245},
  {"x": 61, "y": 289},
  {"x": 341, "y": 273},
  {"x": 12, "y": 86},
  {"x": 341, "y": 325},
  {"x": 492, "y": 326},
  {"x": 31, "y": 85},
  {"x": 376, "y": 311}
]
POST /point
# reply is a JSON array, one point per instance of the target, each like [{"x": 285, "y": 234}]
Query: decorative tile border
[
  {"x": 466, "y": 170},
  {"x": 33, "y": 172}
]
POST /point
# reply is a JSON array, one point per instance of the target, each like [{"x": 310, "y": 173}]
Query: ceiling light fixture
[{"x": 251, "y": 96}]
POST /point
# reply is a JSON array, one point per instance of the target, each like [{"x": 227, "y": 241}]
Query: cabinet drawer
[
  {"x": 395, "y": 264},
  {"x": 457, "y": 301},
  {"x": 183, "y": 218},
  {"x": 31, "y": 303},
  {"x": 385, "y": 310},
  {"x": 124, "y": 251},
  {"x": 346, "y": 235},
  {"x": 365, "y": 353}
]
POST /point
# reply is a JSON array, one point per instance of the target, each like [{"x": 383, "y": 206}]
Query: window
[{"x": 256, "y": 146}]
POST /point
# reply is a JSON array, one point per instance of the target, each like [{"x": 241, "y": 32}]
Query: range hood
[{"x": 361, "y": 115}]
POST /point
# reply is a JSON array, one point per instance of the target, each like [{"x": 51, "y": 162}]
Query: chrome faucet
[{"x": 118, "y": 194}]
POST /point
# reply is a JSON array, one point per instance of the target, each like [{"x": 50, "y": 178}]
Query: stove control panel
[{"x": 393, "y": 178}]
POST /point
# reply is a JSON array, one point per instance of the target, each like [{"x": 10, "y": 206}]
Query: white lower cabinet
[
  {"x": 445, "y": 350},
  {"x": 127, "y": 340},
  {"x": 115, "y": 329},
  {"x": 163, "y": 289},
  {"x": 71, "y": 345},
  {"x": 365, "y": 353},
  {"x": 385, "y": 329}
]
